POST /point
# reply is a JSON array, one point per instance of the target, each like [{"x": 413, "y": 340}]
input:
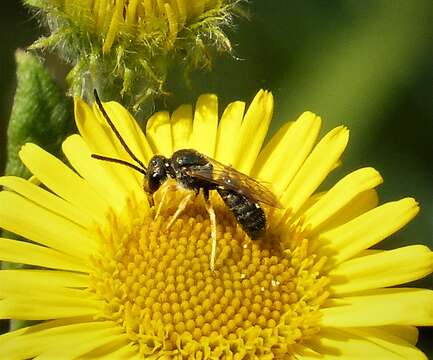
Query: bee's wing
[{"x": 229, "y": 178}]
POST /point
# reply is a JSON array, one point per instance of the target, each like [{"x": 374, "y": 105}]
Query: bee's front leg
[
  {"x": 164, "y": 192},
  {"x": 180, "y": 209}
]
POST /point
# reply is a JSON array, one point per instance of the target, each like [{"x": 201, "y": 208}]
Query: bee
[{"x": 194, "y": 171}]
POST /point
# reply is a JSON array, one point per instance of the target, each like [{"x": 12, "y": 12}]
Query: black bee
[{"x": 194, "y": 171}]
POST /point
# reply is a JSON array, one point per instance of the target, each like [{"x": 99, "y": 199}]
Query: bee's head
[{"x": 157, "y": 172}]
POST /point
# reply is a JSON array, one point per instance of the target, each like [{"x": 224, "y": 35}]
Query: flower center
[{"x": 158, "y": 286}]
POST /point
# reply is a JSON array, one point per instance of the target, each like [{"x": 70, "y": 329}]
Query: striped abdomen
[{"x": 248, "y": 214}]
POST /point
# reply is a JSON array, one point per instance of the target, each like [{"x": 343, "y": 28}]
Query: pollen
[{"x": 261, "y": 299}]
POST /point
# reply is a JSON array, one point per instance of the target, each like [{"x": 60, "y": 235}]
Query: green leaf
[{"x": 40, "y": 114}]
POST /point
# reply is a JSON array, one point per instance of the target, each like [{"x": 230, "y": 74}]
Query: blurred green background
[{"x": 366, "y": 64}]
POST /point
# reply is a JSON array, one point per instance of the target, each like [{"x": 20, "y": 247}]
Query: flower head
[
  {"x": 112, "y": 280},
  {"x": 134, "y": 42}
]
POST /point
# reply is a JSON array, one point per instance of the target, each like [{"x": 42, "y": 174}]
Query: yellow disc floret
[{"x": 158, "y": 286}]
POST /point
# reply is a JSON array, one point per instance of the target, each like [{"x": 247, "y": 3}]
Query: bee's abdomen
[{"x": 248, "y": 214}]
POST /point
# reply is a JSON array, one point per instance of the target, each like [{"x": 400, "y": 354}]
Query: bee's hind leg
[{"x": 213, "y": 228}]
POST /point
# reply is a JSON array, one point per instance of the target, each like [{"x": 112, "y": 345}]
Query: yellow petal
[
  {"x": 339, "y": 196},
  {"x": 26, "y": 253},
  {"x": 399, "y": 306},
  {"x": 63, "y": 181},
  {"x": 57, "y": 326},
  {"x": 181, "y": 126},
  {"x": 315, "y": 168},
  {"x": 304, "y": 351},
  {"x": 271, "y": 146},
  {"x": 228, "y": 130},
  {"x": 389, "y": 341},
  {"x": 25, "y": 218},
  {"x": 362, "y": 203},
  {"x": 45, "y": 199},
  {"x": 115, "y": 21},
  {"x": 369, "y": 228},
  {"x": 93, "y": 171},
  {"x": 204, "y": 128},
  {"x": 253, "y": 131},
  {"x": 22, "y": 282},
  {"x": 78, "y": 345},
  {"x": 132, "y": 137},
  {"x": 158, "y": 132},
  {"x": 126, "y": 352},
  {"x": 379, "y": 270},
  {"x": 46, "y": 307},
  {"x": 100, "y": 140},
  {"x": 26, "y": 343},
  {"x": 280, "y": 160},
  {"x": 129, "y": 130},
  {"x": 361, "y": 344},
  {"x": 406, "y": 333},
  {"x": 17, "y": 290},
  {"x": 30, "y": 283}
]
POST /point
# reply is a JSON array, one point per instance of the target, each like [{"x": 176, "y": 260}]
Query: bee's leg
[
  {"x": 180, "y": 209},
  {"x": 150, "y": 200},
  {"x": 166, "y": 189},
  {"x": 270, "y": 214},
  {"x": 213, "y": 228}
]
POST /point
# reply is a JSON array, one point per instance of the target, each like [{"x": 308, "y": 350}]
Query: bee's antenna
[
  {"x": 119, "y": 161},
  {"x": 116, "y": 132}
]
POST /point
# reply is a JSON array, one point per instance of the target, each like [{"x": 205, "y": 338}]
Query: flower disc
[{"x": 159, "y": 286}]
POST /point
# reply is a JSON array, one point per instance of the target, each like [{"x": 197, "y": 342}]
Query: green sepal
[
  {"x": 41, "y": 113},
  {"x": 36, "y": 3}
]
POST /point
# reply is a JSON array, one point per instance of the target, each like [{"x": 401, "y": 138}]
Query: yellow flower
[
  {"x": 126, "y": 48},
  {"x": 110, "y": 282},
  {"x": 143, "y": 21}
]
